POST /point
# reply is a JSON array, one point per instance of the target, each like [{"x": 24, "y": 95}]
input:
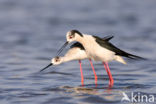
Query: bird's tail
[
  {"x": 120, "y": 59},
  {"x": 131, "y": 56}
]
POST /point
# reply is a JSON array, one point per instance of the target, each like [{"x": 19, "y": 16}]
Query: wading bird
[
  {"x": 98, "y": 49},
  {"x": 76, "y": 52}
]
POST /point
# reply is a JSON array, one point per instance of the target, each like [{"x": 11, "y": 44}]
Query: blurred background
[{"x": 31, "y": 31}]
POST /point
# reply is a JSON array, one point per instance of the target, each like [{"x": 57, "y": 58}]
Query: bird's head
[
  {"x": 73, "y": 35},
  {"x": 55, "y": 61}
]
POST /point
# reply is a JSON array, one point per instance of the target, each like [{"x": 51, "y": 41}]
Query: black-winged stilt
[
  {"x": 76, "y": 52},
  {"x": 98, "y": 49}
]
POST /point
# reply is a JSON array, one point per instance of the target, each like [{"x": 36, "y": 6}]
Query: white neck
[
  {"x": 66, "y": 59},
  {"x": 82, "y": 39}
]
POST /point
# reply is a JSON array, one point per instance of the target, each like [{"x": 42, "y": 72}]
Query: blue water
[{"x": 31, "y": 31}]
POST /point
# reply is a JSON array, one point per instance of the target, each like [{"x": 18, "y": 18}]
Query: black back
[
  {"x": 79, "y": 45},
  {"x": 109, "y": 46}
]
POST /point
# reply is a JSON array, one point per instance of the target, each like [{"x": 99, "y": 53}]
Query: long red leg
[
  {"x": 111, "y": 80},
  {"x": 93, "y": 71},
  {"x": 82, "y": 79}
]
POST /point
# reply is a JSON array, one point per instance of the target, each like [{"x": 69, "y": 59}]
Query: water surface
[{"x": 31, "y": 32}]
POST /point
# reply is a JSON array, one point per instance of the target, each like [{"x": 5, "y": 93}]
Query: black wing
[
  {"x": 107, "y": 38},
  {"x": 113, "y": 48},
  {"x": 79, "y": 45}
]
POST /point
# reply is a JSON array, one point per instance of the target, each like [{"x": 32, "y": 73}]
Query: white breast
[
  {"x": 76, "y": 54},
  {"x": 95, "y": 51}
]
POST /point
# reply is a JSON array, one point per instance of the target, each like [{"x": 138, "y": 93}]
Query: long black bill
[
  {"x": 46, "y": 67},
  {"x": 61, "y": 49}
]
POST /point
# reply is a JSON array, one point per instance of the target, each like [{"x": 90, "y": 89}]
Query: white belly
[
  {"x": 100, "y": 54},
  {"x": 96, "y": 52}
]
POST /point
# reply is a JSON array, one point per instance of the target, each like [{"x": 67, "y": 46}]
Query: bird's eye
[
  {"x": 57, "y": 59},
  {"x": 71, "y": 36}
]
